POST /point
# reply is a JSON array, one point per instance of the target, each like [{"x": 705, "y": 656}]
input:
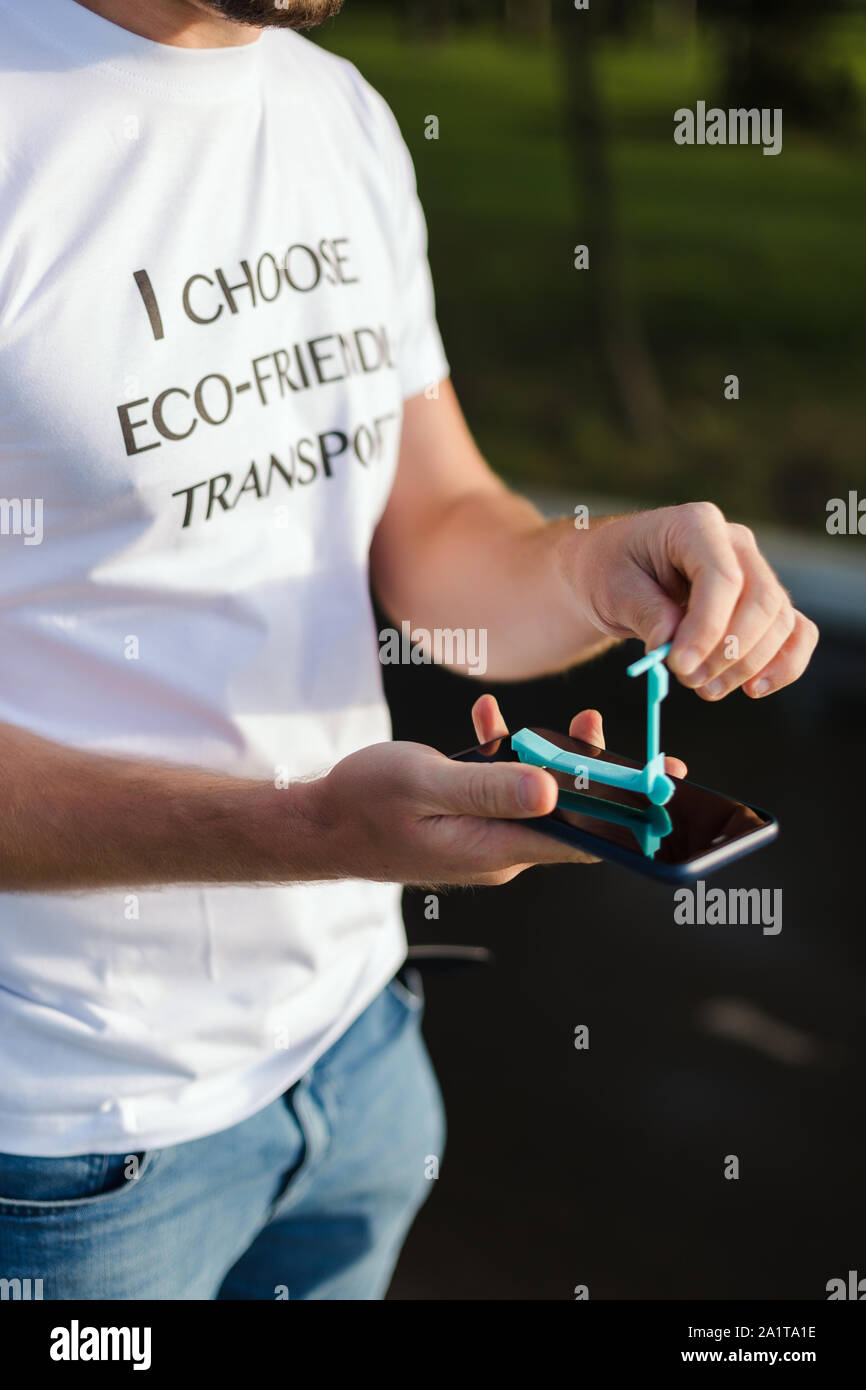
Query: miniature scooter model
[{"x": 651, "y": 780}]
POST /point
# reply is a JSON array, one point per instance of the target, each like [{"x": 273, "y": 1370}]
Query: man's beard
[{"x": 282, "y": 14}]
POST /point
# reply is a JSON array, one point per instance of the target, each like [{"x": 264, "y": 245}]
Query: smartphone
[{"x": 696, "y": 832}]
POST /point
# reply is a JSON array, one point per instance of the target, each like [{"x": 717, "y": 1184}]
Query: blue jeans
[{"x": 310, "y": 1198}]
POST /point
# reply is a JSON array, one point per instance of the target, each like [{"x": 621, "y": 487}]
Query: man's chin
[{"x": 274, "y": 14}]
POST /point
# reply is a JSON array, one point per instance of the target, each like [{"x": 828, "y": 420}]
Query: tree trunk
[
  {"x": 428, "y": 18},
  {"x": 529, "y": 16},
  {"x": 627, "y": 368}
]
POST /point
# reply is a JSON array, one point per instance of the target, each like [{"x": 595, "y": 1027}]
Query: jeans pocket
[
  {"x": 30, "y": 1184},
  {"x": 407, "y": 987}
]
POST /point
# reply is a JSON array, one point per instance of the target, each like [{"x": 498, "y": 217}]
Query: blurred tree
[
  {"x": 626, "y": 368},
  {"x": 775, "y": 54},
  {"x": 433, "y": 17},
  {"x": 426, "y": 17},
  {"x": 529, "y": 16}
]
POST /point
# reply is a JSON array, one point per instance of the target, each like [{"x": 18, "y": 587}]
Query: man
[{"x": 224, "y": 400}]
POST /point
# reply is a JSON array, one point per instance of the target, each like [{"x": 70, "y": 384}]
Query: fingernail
[
  {"x": 714, "y": 689},
  {"x": 760, "y": 688},
  {"x": 530, "y": 793},
  {"x": 687, "y": 661}
]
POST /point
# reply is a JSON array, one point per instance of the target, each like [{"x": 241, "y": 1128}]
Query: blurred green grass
[{"x": 739, "y": 263}]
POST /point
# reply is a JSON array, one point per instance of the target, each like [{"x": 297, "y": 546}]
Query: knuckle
[
  {"x": 730, "y": 572},
  {"x": 758, "y": 659},
  {"x": 477, "y": 796},
  {"x": 744, "y": 535},
  {"x": 705, "y": 514},
  {"x": 752, "y": 664},
  {"x": 767, "y": 597}
]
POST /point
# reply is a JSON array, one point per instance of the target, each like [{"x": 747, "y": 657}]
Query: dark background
[{"x": 605, "y": 1167}]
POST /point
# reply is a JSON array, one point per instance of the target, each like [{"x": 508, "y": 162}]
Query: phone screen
[{"x": 695, "y": 824}]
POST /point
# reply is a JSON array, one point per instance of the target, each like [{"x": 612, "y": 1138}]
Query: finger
[
  {"x": 476, "y": 846},
  {"x": 588, "y": 727},
  {"x": 498, "y": 790},
  {"x": 501, "y": 846},
  {"x": 739, "y": 672},
  {"x": 761, "y": 602},
  {"x": 700, "y": 548},
  {"x": 789, "y": 663},
  {"x": 565, "y": 854},
  {"x": 487, "y": 719}
]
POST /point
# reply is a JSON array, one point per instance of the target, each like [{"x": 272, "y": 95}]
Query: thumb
[
  {"x": 649, "y": 612},
  {"x": 496, "y": 790}
]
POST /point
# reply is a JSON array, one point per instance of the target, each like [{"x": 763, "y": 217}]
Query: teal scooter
[{"x": 651, "y": 780}]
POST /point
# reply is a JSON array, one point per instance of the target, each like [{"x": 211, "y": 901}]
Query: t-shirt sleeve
[{"x": 421, "y": 356}]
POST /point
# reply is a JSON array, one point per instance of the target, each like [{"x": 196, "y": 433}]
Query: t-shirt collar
[{"x": 88, "y": 40}]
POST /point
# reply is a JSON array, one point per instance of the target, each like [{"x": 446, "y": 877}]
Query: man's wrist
[
  {"x": 292, "y": 833},
  {"x": 574, "y": 559}
]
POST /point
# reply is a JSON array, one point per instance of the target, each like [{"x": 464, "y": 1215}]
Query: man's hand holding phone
[{"x": 403, "y": 813}]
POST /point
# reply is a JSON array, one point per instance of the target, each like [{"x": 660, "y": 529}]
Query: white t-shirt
[{"x": 214, "y": 299}]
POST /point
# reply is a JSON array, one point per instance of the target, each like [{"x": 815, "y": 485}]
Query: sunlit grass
[{"x": 738, "y": 262}]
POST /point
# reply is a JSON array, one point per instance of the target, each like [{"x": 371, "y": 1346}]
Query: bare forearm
[
  {"x": 492, "y": 562},
  {"x": 455, "y": 549},
  {"x": 77, "y": 820},
  {"x": 390, "y": 812}
]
